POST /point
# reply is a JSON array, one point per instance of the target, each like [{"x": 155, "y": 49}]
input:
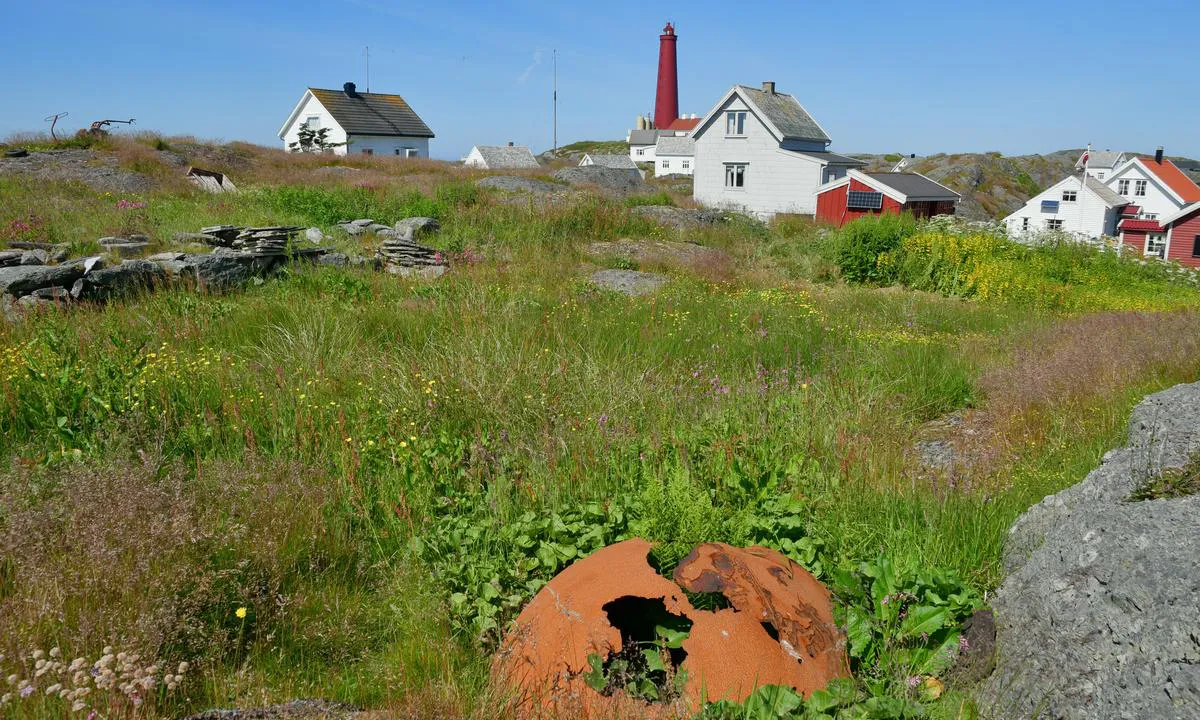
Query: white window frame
[
  {"x": 1024, "y": 224},
  {"x": 1123, "y": 187},
  {"x": 687, "y": 164},
  {"x": 1155, "y": 241},
  {"x": 1054, "y": 224},
  {"x": 312, "y": 122},
  {"x": 641, "y": 151},
  {"x": 1070, "y": 196},
  {"x": 665, "y": 164},
  {"x": 735, "y": 123},
  {"x": 1139, "y": 188},
  {"x": 1099, "y": 176},
  {"x": 735, "y": 173}
]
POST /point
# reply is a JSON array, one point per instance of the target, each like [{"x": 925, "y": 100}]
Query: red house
[
  {"x": 1176, "y": 237},
  {"x": 862, "y": 193}
]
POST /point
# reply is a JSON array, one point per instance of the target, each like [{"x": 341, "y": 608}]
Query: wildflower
[
  {"x": 963, "y": 644},
  {"x": 26, "y": 691},
  {"x": 183, "y": 667},
  {"x": 403, "y": 443},
  {"x": 78, "y": 706},
  {"x": 412, "y": 438},
  {"x": 53, "y": 688},
  {"x": 12, "y": 679},
  {"x": 241, "y": 612},
  {"x": 55, "y": 652},
  {"x": 38, "y": 654},
  {"x": 5, "y": 698},
  {"x": 913, "y": 681}
]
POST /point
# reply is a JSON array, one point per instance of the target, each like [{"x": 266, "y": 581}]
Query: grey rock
[
  {"x": 33, "y": 301},
  {"x": 89, "y": 263},
  {"x": 129, "y": 277},
  {"x": 627, "y": 282},
  {"x": 24, "y": 279},
  {"x": 679, "y": 218},
  {"x": 8, "y": 308},
  {"x": 606, "y": 178},
  {"x": 34, "y": 257},
  {"x": 58, "y": 254},
  {"x": 314, "y": 235},
  {"x": 128, "y": 249},
  {"x": 1099, "y": 616},
  {"x": 111, "y": 240},
  {"x": 218, "y": 270},
  {"x": 415, "y": 228},
  {"x": 78, "y": 289},
  {"x": 334, "y": 259},
  {"x": 423, "y": 272},
  {"x": 516, "y": 183},
  {"x": 294, "y": 710},
  {"x": 198, "y": 237},
  {"x": 166, "y": 256},
  {"x": 10, "y": 257},
  {"x": 52, "y": 293},
  {"x": 16, "y": 153},
  {"x": 101, "y": 171}
]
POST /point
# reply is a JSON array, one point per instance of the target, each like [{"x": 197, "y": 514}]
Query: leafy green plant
[
  {"x": 857, "y": 246},
  {"x": 662, "y": 197},
  {"x": 647, "y": 666},
  {"x": 840, "y": 700}
]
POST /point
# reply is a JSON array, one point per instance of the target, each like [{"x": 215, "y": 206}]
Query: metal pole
[
  {"x": 555, "y": 100},
  {"x": 367, "y": 61}
]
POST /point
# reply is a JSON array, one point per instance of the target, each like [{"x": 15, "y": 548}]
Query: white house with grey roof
[
  {"x": 759, "y": 151},
  {"x": 618, "y": 162},
  {"x": 1101, "y": 163},
  {"x": 1087, "y": 211},
  {"x": 674, "y": 156},
  {"x": 496, "y": 157},
  {"x": 359, "y": 123}
]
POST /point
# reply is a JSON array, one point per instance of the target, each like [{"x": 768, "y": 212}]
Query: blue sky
[{"x": 938, "y": 76}]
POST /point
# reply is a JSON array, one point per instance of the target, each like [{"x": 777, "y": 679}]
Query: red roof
[
  {"x": 1131, "y": 210},
  {"x": 1141, "y": 225},
  {"x": 1174, "y": 178},
  {"x": 688, "y": 124}
]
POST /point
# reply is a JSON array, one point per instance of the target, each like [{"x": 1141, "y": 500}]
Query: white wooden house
[
  {"x": 1087, "y": 211},
  {"x": 618, "y": 162},
  {"x": 1154, "y": 184},
  {"x": 1101, "y": 163},
  {"x": 759, "y": 151},
  {"x": 495, "y": 157},
  {"x": 359, "y": 123},
  {"x": 674, "y": 156}
]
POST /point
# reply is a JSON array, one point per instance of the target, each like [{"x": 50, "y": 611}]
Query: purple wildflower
[{"x": 913, "y": 680}]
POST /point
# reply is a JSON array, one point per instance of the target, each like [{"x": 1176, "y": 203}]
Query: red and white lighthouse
[{"x": 666, "y": 100}]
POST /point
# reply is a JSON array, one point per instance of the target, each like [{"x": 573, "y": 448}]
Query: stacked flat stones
[
  {"x": 400, "y": 252},
  {"x": 265, "y": 241}
]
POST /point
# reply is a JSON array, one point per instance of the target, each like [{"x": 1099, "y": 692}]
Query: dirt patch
[
  {"x": 777, "y": 629},
  {"x": 98, "y": 171},
  {"x": 665, "y": 253}
]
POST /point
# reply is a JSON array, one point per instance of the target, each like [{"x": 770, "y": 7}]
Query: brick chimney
[
  {"x": 769, "y": 87},
  {"x": 666, "y": 100}
]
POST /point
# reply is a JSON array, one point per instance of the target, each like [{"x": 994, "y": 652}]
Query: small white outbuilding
[
  {"x": 496, "y": 157},
  {"x": 359, "y": 123}
]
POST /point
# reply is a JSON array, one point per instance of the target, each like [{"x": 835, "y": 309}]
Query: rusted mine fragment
[{"x": 779, "y": 630}]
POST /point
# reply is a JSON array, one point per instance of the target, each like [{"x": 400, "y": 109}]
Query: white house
[
  {"x": 1154, "y": 184},
  {"x": 759, "y": 151},
  {"x": 362, "y": 123},
  {"x": 1087, "y": 210},
  {"x": 619, "y": 162},
  {"x": 674, "y": 156},
  {"x": 1101, "y": 163},
  {"x": 642, "y": 144},
  {"x": 495, "y": 157}
]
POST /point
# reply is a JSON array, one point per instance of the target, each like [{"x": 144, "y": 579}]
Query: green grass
[{"x": 383, "y": 471}]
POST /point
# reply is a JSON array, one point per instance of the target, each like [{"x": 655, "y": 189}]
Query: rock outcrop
[
  {"x": 1100, "y": 617},
  {"x": 605, "y": 178},
  {"x": 627, "y": 282}
]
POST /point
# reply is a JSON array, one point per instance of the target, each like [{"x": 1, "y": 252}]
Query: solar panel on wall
[
  {"x": 1049, "y": 206},
  {"x": 862, "y": 200}
]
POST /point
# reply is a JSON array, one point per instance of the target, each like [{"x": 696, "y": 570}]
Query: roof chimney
[
  {"x": 769, "y": 87},
  {"x": 510, "y": 143},
  {"x": 350, "y": 90},
  {"x": 1158, "y": 155}
]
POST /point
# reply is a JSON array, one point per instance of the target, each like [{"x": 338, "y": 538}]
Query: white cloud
[{"x": 537, "y": 60}]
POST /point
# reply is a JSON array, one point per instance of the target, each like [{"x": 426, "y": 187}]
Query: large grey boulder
[
  {"x": 217, "y": 271},
  {"x": 1100, "y": 616},
  {"x": 24, "y": 279},
  {"x": 129, "y": 277},
  {"x": 416, "y": 228},
  {"x": 517, "y": 183},
  {"x": 627, "y": 282},
  {"x": 679, "y": 218},
  {"x": 605, "y": 178},
  {"x": 10, "y": 257}
]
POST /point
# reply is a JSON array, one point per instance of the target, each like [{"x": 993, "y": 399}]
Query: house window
[
  {"x": 1054, "y": 224},
  {"x": 368, "y": 151},
  {"x": 1149, "y": 216},
  {"x": 312, "y": 122},
  {"x": 1156, "y": 245},
  {"x": 1123, "y": 187},
  {"x": 1099, "y": 176},
  {"x": 1068, "y": 196},
  {"x": 1196, "y": 247},
  {"x": 1024, "y": 223},
  {"x": 735, "y": 122},
  {"x": 735, "y": 175},
  {"x": 666, "y": 164},
  {"x": 641, "y": 151},
  {"x": 399, "y": 151},
  {"x": 1139, "y": 188},
  {"x": 687, "y": 164}
]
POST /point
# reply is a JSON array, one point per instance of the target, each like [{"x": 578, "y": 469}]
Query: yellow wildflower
[{"x": 241, "y": 613}]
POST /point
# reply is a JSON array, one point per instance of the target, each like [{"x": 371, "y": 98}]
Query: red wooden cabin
[{"x": 861, "y": 193}]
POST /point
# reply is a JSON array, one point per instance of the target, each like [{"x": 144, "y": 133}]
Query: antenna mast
[
  {"x": 367, "y": 62},
  {"x": 555, "y": 100}
]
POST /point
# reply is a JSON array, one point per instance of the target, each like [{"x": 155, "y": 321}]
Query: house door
[{"x": 1156, "y": 245}]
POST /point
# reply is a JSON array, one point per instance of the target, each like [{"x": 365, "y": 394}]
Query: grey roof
[
  {"x": 914, "y": 186},
  {"x": 671, "y": 145},
  {"x": 785, "y": 112},
  {"x": 507, "y": 156},
  {"x": 831, "y": 158},
  {"x": 1105, "y": 193},
  {"x": 647, "y": 137},
  {"x": 621, "y": 162},
  {"x": 372, "y": 113},
  {"x": 1103, "y": 158}
]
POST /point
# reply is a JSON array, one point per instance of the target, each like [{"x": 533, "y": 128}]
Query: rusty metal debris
[
  {"x": 98, "y": 128},
  {"x": 777, "y": 629}
]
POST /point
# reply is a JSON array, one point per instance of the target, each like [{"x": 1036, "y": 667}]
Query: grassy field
[{"x": 342, "y": 484}]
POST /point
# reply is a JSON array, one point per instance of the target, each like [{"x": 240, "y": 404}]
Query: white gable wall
[
  {"x": 310, "y": 107},
  {"x": 1087, "y": 217},
  {"x": 674, "y": 165},
  {"x": 1157, "y": 201},
  {"x": 776, "y": 182},
  {"x": 475, "y": 159}
]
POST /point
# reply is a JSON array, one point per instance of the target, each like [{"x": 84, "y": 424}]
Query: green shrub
[
  {"x": 662, "y": 197},
  {"x": 856, "y": 248}
]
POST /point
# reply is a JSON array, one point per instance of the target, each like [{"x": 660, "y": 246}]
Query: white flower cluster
[{"x": 116, "y": 679}]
